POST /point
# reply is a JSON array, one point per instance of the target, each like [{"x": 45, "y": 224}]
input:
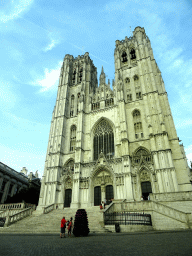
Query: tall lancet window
[
  {"x": 137, "y": 124},
  {"x": 124, "y": 57},
  {"x": 80, "y": 74},
  {"x": 73, "y": 77},
  {"x": 73, "y": 138},
  {"x": 103, "y": 140},
  {"x": 78, "y": 100},
  {"x": 72, "y": 105},
  {"x": 132, "y": 53}
]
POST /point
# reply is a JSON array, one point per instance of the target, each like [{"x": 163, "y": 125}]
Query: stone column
[
  {"x": 128, "y": 189},
  {"x": 1, "y": 182},
  {"x": 160, "y": 182},
  {"x": 103, "y": 195},
  {"x": 171, "y": 181},
  {"x": 5, "y": 192},
  {"x": 175, "y": 183},
  {"x": 75, "y": 194}
]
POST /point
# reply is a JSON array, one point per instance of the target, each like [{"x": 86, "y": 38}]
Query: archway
[
  {"x": 68, "y": 194},
  {"x": 97, "y": 195},
  {"x": 146, "y": 189},
  {"x": 109, "y": 194}
]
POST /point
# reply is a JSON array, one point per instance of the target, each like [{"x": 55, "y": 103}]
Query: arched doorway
[
  {"x": 109, "y": 194},
  {"x": 146, "y": 189},
  {"x": 68, "y": 193},
  {"x": 97, "y": 195}
]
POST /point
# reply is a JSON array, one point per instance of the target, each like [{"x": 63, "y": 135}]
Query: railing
[
  {"x": 18, "y": 216},
  {"x": 16, "y": 206},
  {"x": 144, "y": 206},
  {"x": 170, "y": 212},
  {"x": 171, "y": 196},
  {"x": 12, "y": 206},
  {"x": 10, "y": 212},
  {"x": 127, "y": 218},
  {"x": 48, "y": 208}
]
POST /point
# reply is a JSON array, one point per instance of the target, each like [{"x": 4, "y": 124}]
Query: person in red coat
[{"x": 63, "y": 226}]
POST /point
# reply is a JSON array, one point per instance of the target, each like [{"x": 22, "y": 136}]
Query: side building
[
  {"x": 116, "y": 143},
  {"x": 11, "y": 181}
]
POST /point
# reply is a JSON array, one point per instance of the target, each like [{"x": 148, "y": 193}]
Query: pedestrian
[
  {"x": 70, "y": 227},
  {"x": 63, "y": 226},
  {"x": 105, "y": 202},
  {"x": 101, "y": 207},
  {"x": 148, "y": 198},
  {"x": 141, "y": 198}
]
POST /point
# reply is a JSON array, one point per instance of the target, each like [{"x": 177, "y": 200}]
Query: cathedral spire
[{"x": 102, "y": 76}]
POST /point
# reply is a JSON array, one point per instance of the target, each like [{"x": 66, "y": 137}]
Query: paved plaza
[{"x": 152, "y": 243}]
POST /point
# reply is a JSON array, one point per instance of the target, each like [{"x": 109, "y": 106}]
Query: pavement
[{"x": 157, "y": 243}]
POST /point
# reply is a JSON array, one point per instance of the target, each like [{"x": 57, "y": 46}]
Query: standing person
[
  {"x": 105, "y": 202},
  {"x": 70, "y": 227},
  {"x": 63, "y": 226}
]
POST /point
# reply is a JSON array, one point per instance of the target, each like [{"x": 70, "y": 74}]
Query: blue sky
[{"x": 36, "y": 35}]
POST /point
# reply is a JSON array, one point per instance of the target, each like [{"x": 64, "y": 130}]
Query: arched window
[
  {"x": 80, "y": 74},
  {"x": 103, "y": 140},
  {"x": 74, "y": 74},
  {"x": 124, "y": 57},
  {"x": 137, "y": 124},
  {"x": 142, "y": 153},
  {"x": 132, "y": 53},
  {"x": 136, "y": 78},
  {"x": 69, "y": 166},
  {"x": 127, "y": 80},
  {"x": 73, "y": 138}
]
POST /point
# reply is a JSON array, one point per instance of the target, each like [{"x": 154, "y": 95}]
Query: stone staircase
[{"x": 50, "y": 222}]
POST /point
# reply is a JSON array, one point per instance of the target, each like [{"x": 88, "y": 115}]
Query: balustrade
[
  {"x": 171, "y": 196},
  {"x": 48, "y": 208},
  {"x": 18, "y": 216}
]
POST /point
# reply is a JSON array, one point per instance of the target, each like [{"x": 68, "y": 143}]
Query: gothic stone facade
[{"x": 116, "y": 143}]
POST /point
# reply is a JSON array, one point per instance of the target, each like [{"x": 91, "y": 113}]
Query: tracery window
[
  {"x": 109, "y": 102},
  {"x": 127, "y": 80},
  {"x": 138, "y": 95},
  {"x": 129, "y": 97},
  {"x": 95, "y": 106},
  {"x": 142, "y": 153},
  {"x": 124, "y": 57},
  {"x": 132, "y": 53},
  {"x": 137, "y": 124},
  {"x": 69, "y": 166},
  {"x": 103, "y": 140},
  {"x": 73, "y": 138}
]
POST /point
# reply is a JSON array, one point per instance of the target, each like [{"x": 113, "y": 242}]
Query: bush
[{"x": 81, "y": 223}]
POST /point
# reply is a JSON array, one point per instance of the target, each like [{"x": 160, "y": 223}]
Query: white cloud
[
  {"x": 14, "y": 9},
  {"x": 50, "y": 79},
  {"x": 51, "y": 45}
]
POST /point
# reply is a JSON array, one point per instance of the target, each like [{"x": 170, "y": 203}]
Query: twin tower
[{"x": 114, "y": 141}]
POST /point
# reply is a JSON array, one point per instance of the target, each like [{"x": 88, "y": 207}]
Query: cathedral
[{"x": 112, "y": 142}]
